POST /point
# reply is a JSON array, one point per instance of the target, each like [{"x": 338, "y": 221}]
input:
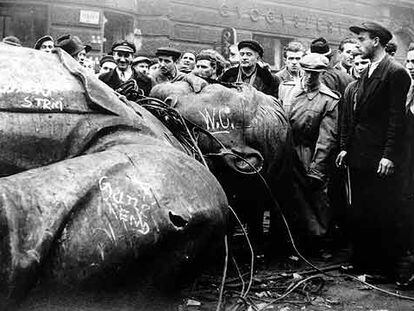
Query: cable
[
  {"x": 224, "y": 273},
  {"x": 289, "y": 291},
  {"x": 276, "y": 204},
  {"x": 251, "y": 252},
  {"x": 380, "y": 289},
  {"x": 240, "y": 276}
]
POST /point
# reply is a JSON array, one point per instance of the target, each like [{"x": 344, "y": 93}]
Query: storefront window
[{"x": 25, "y": 21}]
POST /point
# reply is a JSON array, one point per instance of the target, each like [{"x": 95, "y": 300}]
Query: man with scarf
[{"x": 249, "y": 71}]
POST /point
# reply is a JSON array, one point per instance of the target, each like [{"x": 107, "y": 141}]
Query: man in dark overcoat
[
  {"x": 373, "y": 151},
  {"x": 250, "y": 72}
]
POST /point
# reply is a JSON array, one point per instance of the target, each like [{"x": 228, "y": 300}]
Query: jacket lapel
[{"x": 369, "y": 85}]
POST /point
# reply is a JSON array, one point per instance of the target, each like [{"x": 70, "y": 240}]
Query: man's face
[
  {"x": 367, "y": 45},
  {"x": 360, "y": 64},
  {"x": 80, "y": 57},
  {"x": 310, "y": 78},
  {"x": 142, "y": 68},
  {"x": 47, "y": 46},
  {"x": 346, "y": 54},
  {"x": 292, "y": 60},
  {"x": 123, "y": 59},
  {"x": 188, "y": 61},
  {"x": 106, "y": 67},
  {"x": 248, "y": 57},
  {"x": 204, "y": 69},
  {"x": 166, "y": 64},
  {"x": 409, "y": 63}
]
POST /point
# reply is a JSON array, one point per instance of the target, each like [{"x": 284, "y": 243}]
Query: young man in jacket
[{"x": 372, "y": 147}]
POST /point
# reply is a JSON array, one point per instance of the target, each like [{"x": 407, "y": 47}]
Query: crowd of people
[{"x": 352, "y": 129}]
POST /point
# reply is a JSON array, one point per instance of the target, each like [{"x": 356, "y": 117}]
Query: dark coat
[
  {"x": 265, "y": 81},
  {"x": 378, "y": 124},
  {"x": 346, "y": 113},
  {"x": 112, "y": 79},
  {"x": 336, "y": 79}
]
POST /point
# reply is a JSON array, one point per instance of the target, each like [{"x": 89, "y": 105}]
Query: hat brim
[
  {"x": 141, "y": 60},
  {"x": 329, "y": 53},
  {"x": 174, "y": 56},
  {"x": 314, "y": 70},
  {"x": 123, "y": 49},
  {"x": 357, "y": 29},
  {"x": 252, "y": 47},
  {"x": 39, "y": 42}
]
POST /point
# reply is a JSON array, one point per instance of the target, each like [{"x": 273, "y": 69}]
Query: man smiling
[
  {"x": 346, "y": 47},
  {"x": 123, "y": 52}
]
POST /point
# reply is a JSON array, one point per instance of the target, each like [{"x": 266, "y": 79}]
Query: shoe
[
  {"x": 408, "y": 284},
  {"x": 405, "y": 271}
]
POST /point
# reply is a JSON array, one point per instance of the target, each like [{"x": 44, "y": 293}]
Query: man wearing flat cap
[
  {"x": 45, "y": 44},
  {"x": 141, "y": 64},
  {"x": 249, "y": 71},
  {"x": 312, "y": 109},
  {"x": 106, "y": 64},
  {"x": 123, "y": 74},
  {"x": 74, "y": 47},
  {"x": 373, "y": 150},
  {"x": 167, "y": 61}
]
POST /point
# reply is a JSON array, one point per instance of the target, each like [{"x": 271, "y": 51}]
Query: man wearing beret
[
  {"x": 250, "y": 72},
  {"x": 167, "y": 61},
  {"x": 45, "y": 44},
  {"x": 373, "y": 151},
  {"x": 123, "y": 74},
  {"x": 312, "y": 109}
]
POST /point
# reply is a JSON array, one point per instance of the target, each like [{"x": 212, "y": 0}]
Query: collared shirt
[
  {"x": 124, "y": 75},
  {"x": 374, "y": 66}
]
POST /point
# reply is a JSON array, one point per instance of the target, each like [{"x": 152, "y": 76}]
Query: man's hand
[
  {"x": 196, "y": 83},
  {"x": 385, "y": 167},
  {"x": 340, "y": 159}
]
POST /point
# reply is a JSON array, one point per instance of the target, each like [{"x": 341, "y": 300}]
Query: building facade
[{"x": 198, "y": 24}]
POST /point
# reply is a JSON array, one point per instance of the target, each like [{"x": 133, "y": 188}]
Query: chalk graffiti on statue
[
  {"x": 129, "y": 209},
  {"x": 217, "y": 120},
  {"x": 42, "y": 103}
]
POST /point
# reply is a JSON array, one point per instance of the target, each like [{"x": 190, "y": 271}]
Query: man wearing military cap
[
  {"x": 249, "y": 71},
  {"x": 312, "y": 109},
  {"x": 123, "y": 74},
  {"x": 373, "y": 150},
  {"x": 167, "y": 61}
]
